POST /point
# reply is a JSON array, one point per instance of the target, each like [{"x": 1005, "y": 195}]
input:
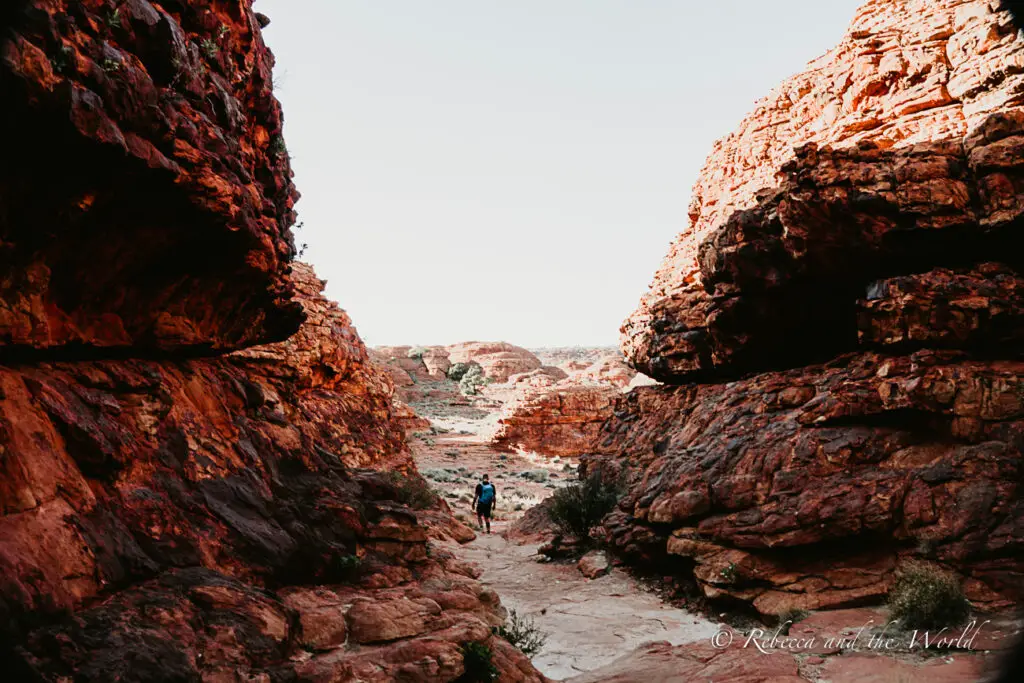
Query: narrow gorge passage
[{"x": 589, "y": 622}]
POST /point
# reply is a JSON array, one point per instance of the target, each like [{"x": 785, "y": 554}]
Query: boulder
[{"x": 594, "y": 564}]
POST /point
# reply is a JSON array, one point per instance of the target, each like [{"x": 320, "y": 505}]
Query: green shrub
[
  {"x": 478, "y": 661},
  {"x": 417, "y": 353},
  {"x": 413, "y": 490},
  {"x": 926, "y": 597},
  {"x": 473, "y": 381},
  {"x": 578, "y": 508},
  {"x": 61, "y": 60},
  {"x": 522, "y": 633},
  {"x": 457, "y": 371},
  {"x": 209, "y": 48}
]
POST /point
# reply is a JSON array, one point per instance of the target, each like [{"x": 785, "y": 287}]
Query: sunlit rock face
[
  {"x": 144, "y": 177},
  {"x": 843, "y": 315},
  {"x": 560, "y": 420},
  {"x": 896, "y": 152}
]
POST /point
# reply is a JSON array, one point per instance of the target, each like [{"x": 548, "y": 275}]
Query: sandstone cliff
[
  {"x": 856, "y": 242},
  {"x": 177, "y": 504},
  {"x": 895, "y": 152}
]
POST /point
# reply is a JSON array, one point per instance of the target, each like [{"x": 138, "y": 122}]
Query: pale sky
[{"x": 514, "y": 170}]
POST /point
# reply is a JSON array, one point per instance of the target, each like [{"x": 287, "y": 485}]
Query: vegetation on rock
[
  {"x": 521, "y": 631},
  {"x": 478, "y": 661},
  {"x": 927, "y": 597},
  {"x": 578, "y": 508}
]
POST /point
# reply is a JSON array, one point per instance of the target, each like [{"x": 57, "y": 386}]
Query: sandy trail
[{"x": 589, "y": 623}]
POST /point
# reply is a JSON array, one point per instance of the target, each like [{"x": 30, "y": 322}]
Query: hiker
[{"x": 483, "y": 501}]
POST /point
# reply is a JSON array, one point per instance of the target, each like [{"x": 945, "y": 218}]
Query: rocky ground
[{"x": 618, "y": 626}]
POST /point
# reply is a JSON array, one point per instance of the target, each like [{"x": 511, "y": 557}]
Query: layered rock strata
[
  {"x": 175, "y": 503},
  {"x": 559, "y": 421},
  {"x": 847, "y": 300},
  {"x": 895, "y": 152}
]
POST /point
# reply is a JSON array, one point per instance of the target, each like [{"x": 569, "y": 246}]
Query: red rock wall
[
  {"x": 895, "y": 152},
  {"x": 558, "y": 421},
  {"x": 226, "y": 490},
  {"x": 177, "y": 504},
  {"x": 144, "y": 178},
  {"x": 803, "y": 489},
  {"x": 860, "y": 227}
]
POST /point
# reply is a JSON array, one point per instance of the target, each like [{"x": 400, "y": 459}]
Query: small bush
[
  {"x": 61, "y": 60},
  {"x": 522, "y": 633},
  {"x": 578, "y": 508},
  {"x": 537, "y": 476},
  {"x": 478, "y": 662},
  {"x": 473, "y": 381},
  {"x": 277, "y": 147},
  {"x": 926, "y": 597},
  {"x": 209, "y": 48},
  {"x": 417, "y": 353},
  {"x": 413, "y": 490},
  {"x": 457, "y": 371}
]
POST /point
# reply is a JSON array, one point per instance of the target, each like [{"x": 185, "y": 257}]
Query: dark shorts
[{"x": 484, "y": 509}]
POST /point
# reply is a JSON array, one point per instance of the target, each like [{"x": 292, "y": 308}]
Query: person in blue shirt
[{"x": 483, "y": 502}]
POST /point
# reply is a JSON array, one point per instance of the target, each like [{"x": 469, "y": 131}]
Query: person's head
[{"x": 486, "y": 479}]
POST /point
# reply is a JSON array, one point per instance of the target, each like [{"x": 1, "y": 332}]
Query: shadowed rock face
[
  {"x": 803, "y": 489},
  {"x": 861, "y": 228},
  {"x": 145, "y": 191},
  {"x": 896, "y": 152},
  {"x": 203, "y": 518},
  {"x": 251, "y": 515}
]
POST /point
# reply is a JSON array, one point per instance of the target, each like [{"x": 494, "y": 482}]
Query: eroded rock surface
[
  {"x": 804, "y": 489},
  {"x": 896, "y": 152},
  {"x": 176, "y": 502},
  {"x": 146, "y": 197},
  {"x": 861, "y": 227},
  {"x": 564, "y": 420},
  {"x": 199, "y": 484}
]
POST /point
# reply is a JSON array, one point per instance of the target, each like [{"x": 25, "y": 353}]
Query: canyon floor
[
  {"x": 589, "y": 623},
  {"x": 615, "y": 628}
]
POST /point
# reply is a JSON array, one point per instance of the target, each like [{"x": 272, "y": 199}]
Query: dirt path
[{"x": 589, "y": 623}]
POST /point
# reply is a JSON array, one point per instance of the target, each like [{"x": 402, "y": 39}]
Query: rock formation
[
  {"x": 856, "y": 242},
  {"x": 894, "y": 153},
  {"x": 558, "y": 421},
  {"x": 146, "y": 189},
  {"x": 499, "y": 360},
  {"x": 251, "y": 515}
]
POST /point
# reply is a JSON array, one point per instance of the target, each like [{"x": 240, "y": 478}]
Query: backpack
[{"x": 487, "y": 493}]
